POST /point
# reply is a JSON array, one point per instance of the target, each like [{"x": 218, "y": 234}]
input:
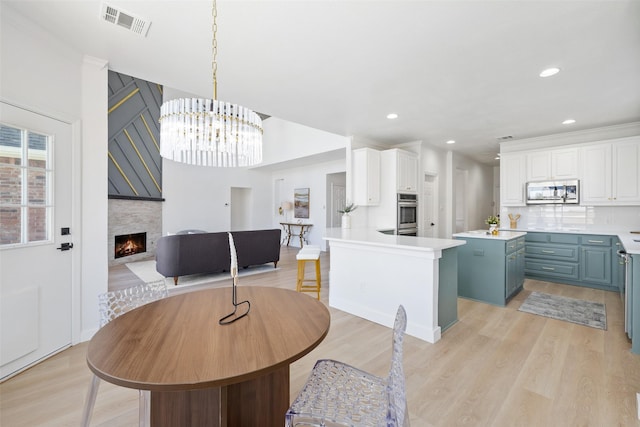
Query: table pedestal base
[{"x": 262, "y": 401}]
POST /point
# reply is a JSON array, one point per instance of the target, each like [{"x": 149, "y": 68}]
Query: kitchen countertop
[
  {"x": 373, "y": 237},
  {"x": 631, "y": 242},
  {"x": 484, "y": 234}
]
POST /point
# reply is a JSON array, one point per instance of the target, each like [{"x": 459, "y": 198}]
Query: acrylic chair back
[
  {"x": 111, "y": 305},
  {"x": 115, "y": 303},
  {"x": 395, "y": 380}
]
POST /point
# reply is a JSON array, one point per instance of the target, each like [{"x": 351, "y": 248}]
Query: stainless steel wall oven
[{"x": 407, "y": 216}]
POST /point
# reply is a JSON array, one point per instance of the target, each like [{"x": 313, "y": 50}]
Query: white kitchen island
[{"x": 372, "y": 273}]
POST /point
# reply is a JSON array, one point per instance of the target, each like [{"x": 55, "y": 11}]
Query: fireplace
[{"x": 130, "y": 244}]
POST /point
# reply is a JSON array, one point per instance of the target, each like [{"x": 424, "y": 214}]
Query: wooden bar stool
[{"x": 305, "y": 255}]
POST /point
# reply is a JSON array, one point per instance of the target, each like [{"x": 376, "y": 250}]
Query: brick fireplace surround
[{"x": 134, "y": 216}]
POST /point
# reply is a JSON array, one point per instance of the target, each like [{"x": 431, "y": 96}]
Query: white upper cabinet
[
  {"x": 400, "y": 171},
  {"x": 366, "y": 177},
  {"x": 512, "y": 179},
  {"x": 611, "y": 173},
  {"x": 407, "y": 172},
  {"x": 552, "y": 164}
]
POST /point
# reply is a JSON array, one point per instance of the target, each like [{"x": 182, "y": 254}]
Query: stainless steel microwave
[{"x": 553, "y": 192}]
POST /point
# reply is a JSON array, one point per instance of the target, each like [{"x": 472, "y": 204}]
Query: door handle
[{"x": 65, "y": 246}]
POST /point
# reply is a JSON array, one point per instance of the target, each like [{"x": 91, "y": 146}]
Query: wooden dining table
[{"x": 201, "y": 373}]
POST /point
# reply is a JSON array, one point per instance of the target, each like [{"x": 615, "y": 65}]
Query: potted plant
[
  {"x": 493, "y": 222},
  {"x": 346, "y": 219}
]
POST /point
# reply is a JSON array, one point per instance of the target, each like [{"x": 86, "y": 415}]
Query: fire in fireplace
[{"x": 130, "y": 244}]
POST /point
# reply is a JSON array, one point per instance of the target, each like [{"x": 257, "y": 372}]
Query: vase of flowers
[
  {"x": 493, "y": 222},
  {"x": 346, "y": 218}
]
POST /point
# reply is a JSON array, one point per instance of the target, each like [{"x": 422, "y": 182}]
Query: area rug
[
  {"x": 146, "y": 271},
  {"x": 587, "y": 313}
]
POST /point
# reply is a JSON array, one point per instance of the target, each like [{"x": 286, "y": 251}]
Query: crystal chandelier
[{"x": 208, "y": 132}]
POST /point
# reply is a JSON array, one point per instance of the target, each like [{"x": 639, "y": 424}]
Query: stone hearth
[{"x": 130, "y": 217}]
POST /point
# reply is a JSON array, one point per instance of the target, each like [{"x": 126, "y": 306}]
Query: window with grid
[{"x": 25, "y": 186}]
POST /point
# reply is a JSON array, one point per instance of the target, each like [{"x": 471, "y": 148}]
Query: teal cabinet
[
  {"x": 491, "y": 270},
  {"x": 618, "y": 264},
  {"x": 575, "y": 259},
  {"x": 448, "y": 289},
  {"x": 596, "y": 265},
  {"x": 633, "y": 294}
]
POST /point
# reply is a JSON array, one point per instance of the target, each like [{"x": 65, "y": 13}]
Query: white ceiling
[{"x": 462, "y": 70}]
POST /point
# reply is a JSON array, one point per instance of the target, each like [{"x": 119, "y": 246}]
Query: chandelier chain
[{"x": 214, "y": 49}]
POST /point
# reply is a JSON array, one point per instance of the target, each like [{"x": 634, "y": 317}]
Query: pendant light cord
[{"x": 214, "y": 49}]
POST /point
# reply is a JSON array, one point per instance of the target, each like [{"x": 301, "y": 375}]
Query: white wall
[
  {"x": 284, "y": 141},
  {"x": 199, "y": 197},
  {"x": 479, "y": 189},
  {"x": 315, "y": 178}
]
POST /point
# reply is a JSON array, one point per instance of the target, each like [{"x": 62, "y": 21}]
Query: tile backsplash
[{"x": 577, "y": 217}]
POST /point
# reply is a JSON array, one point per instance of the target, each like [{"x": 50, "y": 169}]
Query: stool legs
[{"x": 300, "y": 286}]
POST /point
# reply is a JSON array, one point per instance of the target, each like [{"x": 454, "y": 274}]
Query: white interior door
[
  {"x": 429, "y": 203},
  {"x": 461, "y": 201},
  {"x": 35, "y": 276},
  {"x": 240, "y": 209}
]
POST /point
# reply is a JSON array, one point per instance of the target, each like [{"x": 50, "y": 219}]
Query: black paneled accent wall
[{"x": 135, "y": 166}]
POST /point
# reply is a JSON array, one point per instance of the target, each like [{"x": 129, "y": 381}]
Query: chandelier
[{"x": 208, "y": 132}]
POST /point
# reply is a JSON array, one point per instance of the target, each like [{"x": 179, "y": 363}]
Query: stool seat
[
  {"x": 308, "y": 254},
  {"x": 305, "y": 255}
]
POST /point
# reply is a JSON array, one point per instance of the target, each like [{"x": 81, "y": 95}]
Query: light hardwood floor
[{"x": 495, "y": 367}]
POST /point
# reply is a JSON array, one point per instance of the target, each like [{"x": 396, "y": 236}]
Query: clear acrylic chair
[
  {"x": 337, "y": 394},
  {"x": 111, "y": 305}
]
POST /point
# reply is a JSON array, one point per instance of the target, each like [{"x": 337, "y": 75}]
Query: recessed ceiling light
[
  {"x": 549, "y": 72},
  {"x": 451, "y": 141},
  {"x": 568, "y": 122},
  {"x": 392, "y": 116}
]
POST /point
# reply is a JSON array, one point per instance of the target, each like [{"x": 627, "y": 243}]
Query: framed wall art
[{"x": 301, "y": 203}]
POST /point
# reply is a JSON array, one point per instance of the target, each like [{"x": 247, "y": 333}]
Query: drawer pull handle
[
  {"x": 548, "y": 252},
  {"x": 596, "y": 241},
  {"x": 548, "y": 268}
]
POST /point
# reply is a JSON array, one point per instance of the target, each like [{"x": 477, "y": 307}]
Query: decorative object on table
[
  {"x": 301, "y": 203},
  {"x": 346, "y": 395},
  {"x": 186, "y": 124},
  {"x": 513, "y": 220},
  {"x": 587, "y": 313},
  {"x": 493, "y": 222},
  {"x": 346, "y": 218},
  {"x": 232, "y": 317}
]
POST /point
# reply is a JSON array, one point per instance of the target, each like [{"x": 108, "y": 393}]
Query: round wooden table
[{"x": 201, "y": 373}]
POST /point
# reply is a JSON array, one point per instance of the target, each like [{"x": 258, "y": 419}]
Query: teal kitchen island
[
  {"x": 491, "y": 266},
  {"x": 372, "y": 273}
]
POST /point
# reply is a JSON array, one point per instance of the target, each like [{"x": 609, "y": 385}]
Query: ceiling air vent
[{"x": 124, "y": 19}]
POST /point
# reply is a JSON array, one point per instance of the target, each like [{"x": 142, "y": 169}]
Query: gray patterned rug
[{"x": 573, "y": 310}]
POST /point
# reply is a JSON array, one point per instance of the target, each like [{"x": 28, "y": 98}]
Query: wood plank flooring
[{"x": 495, "y": 367}]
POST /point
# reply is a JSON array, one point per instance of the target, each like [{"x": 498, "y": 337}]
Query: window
[{"x": 25, "y": 186}]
